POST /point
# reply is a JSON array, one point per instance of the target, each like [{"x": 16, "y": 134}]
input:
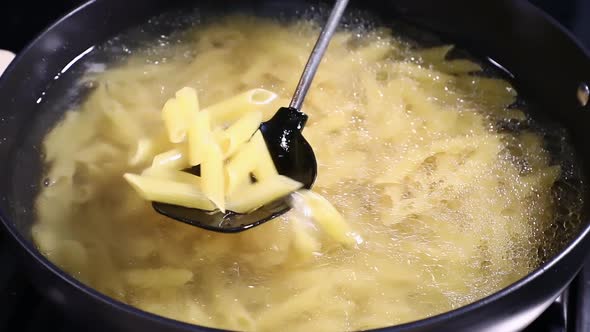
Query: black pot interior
[{"x": 547, "y": 69}]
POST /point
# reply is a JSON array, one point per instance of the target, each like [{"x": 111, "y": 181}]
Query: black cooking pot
[{"x": 547, "y": 63}]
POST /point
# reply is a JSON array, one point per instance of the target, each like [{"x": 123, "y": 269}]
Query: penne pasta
[
  {"x": 200, "y": 137},
  {"x": 209, "y": 145},
  {"x": 124, "y": 124},
  {"x": 253, "y": 196},
  {"x": 239, "y": 167},
  {"x": 146, "y": 148},
  {"x": 170, "y": 192},
  {"x": 323, "y": 213},
  {"x": 188, "y": 101},
  {"x": 212, "y": 176},
  {"x": 157, "y": 278},
  {"x": 222, "y": 140},
  {"x": 265, "y": 167},
  {"x": 46, "y": 240},
  {"x": 142, "y": 153},
  {"x": 173, "y": 175},
  {"x": 178, "y": 112},
  {"x": 303, "y": 241},
  {"x": 241, "y": 131},
  {"x": 174, "y": 120},
  {"x": 172, "y": 159},
  {"x": 231, "y": 109}
]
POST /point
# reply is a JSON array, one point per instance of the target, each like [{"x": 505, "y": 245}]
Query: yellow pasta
[
  {"x": 146, "y": 148},
  {"x": 213, "y": 181},
  {"x": 240, "y": 166},
  {"x": 166, "y": 191},
  {"x": 158, "y": 278},
  {"x": 200, "y": 137},
  {"x": 72, "y": 255},
  {"x": 234, "y": 313},
  {"x": 233, "y": 108},
  {"x": 406, "y": 152},
  {"x": 175, "y": 121},
  {"x": 173, "y": 175},
  {"x": 123, "y": 124},
  {"x": 253, "y": 196},
  {"x": 176, "y": 158},
  {"x": 143, "y": 152},
  {"x": 303, "y": 302},
  {"x": 208, "y": 147},
  {"x": 265, "y": 167},
  {"x": 304, "y": 242},
  {"x": 188, "y": 101},
  {"x": 323, "y": 213},
  {"x": 46, "y": 240},
  {"x": 240, "y": 131},
  {"x": 178, "y": 112},
  {"x": 222, "y": 140}
]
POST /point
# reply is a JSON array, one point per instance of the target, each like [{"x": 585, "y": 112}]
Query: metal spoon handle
[{"x": 317, "y": 53}]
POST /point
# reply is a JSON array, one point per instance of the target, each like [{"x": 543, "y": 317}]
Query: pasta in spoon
[{"x": 237, "y": 170}]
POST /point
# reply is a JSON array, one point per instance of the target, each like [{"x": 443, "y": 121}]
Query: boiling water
[{"x": 456, "y": 191}]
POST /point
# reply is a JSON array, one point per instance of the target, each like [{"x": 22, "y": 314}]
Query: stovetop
[{"x": 22, "y": 308}]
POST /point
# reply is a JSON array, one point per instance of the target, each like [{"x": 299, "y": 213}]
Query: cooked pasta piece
[
  {"x": 304, "y": 242},
  {"x": 158, "y": 278},
  {"x": 188, "y": 101},
  {"x": 213, "y": 181},
  {"x": 46, "y": 240},
  {"x": 252, "y": 196},
  {"x": 241, "y": 131},
  {"x": 143, "y": 152},
  {"x": 319, "y": 209},
  {"x": 200, "y": 138},
  {"x": 178, "y": 112},
  {"x": 175, "y": 121},
  {"x": 240, "y": 166},
  {"x": 166, "y": 191},
  {"x": 173, "y": 175},
  {"x": 124, "y": 126},
  {"x": 208, "y": 146},
  {"x": 147, "y": 148},
  {"x": 221, "y": 139},
  {"x": 265, "y": 166},
  {"x": 233, "y": 108},
  {"x": 176, "y": 158}
]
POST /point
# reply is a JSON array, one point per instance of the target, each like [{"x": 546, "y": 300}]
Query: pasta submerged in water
[{"x": 407, "y": 153}]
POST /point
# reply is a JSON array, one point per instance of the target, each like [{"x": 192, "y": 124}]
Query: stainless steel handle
[{"x": 317, "y": 53}]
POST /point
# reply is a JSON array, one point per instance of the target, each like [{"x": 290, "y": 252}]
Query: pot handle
[{"x": 5, "y": 59}]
